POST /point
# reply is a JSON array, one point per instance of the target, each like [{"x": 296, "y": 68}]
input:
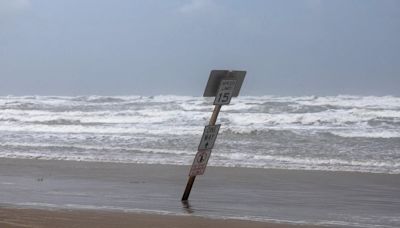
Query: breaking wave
[{"x": 292, "y": 132}]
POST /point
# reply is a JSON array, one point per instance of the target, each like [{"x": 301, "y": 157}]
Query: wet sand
[
  {"x": 102, "y": 219},
  {"x": 126, "y": 191}
]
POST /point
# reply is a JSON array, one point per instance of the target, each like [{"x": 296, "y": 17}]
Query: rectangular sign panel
[
  {"x": 209, "y": 136},
  {"x": 216, "y": 76},
  {"x": 200, "y": 162},
  {"x": 225, "y": 92}
]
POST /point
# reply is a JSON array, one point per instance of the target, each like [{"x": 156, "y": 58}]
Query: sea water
[{"x": 336, "y": 133}]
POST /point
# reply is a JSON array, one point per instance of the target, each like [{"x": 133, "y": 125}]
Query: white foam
[
  {"x": 368, "y": 133},
  {"x": 108, "y": 128}
]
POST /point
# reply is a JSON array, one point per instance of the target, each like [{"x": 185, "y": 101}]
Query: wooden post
[
  {"x": 215, "y": 113},
  {"x": 188, "y": 188},
  {"x": 191, "y": 179}
]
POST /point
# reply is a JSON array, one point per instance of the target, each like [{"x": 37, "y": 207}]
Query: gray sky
[{"x": 149, "y": 47}]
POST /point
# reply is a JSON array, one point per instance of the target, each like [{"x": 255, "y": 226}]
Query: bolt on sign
[
  {"x": 209, "y": 136},
  {"x": 223, "y": 85}
]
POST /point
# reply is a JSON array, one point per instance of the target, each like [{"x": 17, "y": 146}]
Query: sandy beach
[
  {"x": 100, "y": 219},
  {"x": 128, "y": 193}
]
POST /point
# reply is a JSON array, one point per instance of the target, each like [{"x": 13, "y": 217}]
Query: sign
[
  {"x": 223, "y": 85},
  {"x": 200, "y": 162},
  {"x": 209, "y": 136},
  {"x": 216, "y": 76},
  {"x": 225, "y": 92}
]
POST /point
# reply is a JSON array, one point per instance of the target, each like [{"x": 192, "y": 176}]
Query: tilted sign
[
  {"x": 223, "y": 85},
  {"x": 225, "y": 92},
  {"x": 200, "y": 162},
  {"x": 209, "y": 136},
  {"x": 216, "y": 76}
]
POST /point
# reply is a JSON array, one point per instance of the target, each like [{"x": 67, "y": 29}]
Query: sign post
[{"x": 223, "y": 85}]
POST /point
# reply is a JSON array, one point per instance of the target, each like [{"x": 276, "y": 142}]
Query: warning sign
[
  {"x": 225, "y": 92},
  {"x": 200, "y": 162},
  {"x": 209, "y": 136}
]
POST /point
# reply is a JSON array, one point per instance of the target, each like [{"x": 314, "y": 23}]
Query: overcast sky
[{"x": 149, "y": 47}]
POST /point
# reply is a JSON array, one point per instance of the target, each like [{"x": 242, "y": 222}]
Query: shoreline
[{"x": 189, "y": 165}]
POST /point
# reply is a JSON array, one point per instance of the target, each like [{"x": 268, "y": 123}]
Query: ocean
[
  {"x": 332, "y": 133},
  {"x": 331, "y": 161}
]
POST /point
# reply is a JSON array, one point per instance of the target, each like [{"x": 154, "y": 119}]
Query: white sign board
[
  {"x": 200, "y": 162},
  {"x": 209, "y": 136},
  {"x": 225, "y": 91}
]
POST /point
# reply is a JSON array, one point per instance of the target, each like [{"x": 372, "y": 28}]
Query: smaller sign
[
  {"x": 200, "y": 162},
  {"x": 225, "y": 92},
  {"x": 209, "y": 136}
]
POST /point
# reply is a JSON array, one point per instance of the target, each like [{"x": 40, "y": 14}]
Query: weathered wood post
[{"x": 223, "y": 85}]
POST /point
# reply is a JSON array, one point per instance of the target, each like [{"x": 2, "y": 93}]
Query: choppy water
[{"x": 338, "y": 133}]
